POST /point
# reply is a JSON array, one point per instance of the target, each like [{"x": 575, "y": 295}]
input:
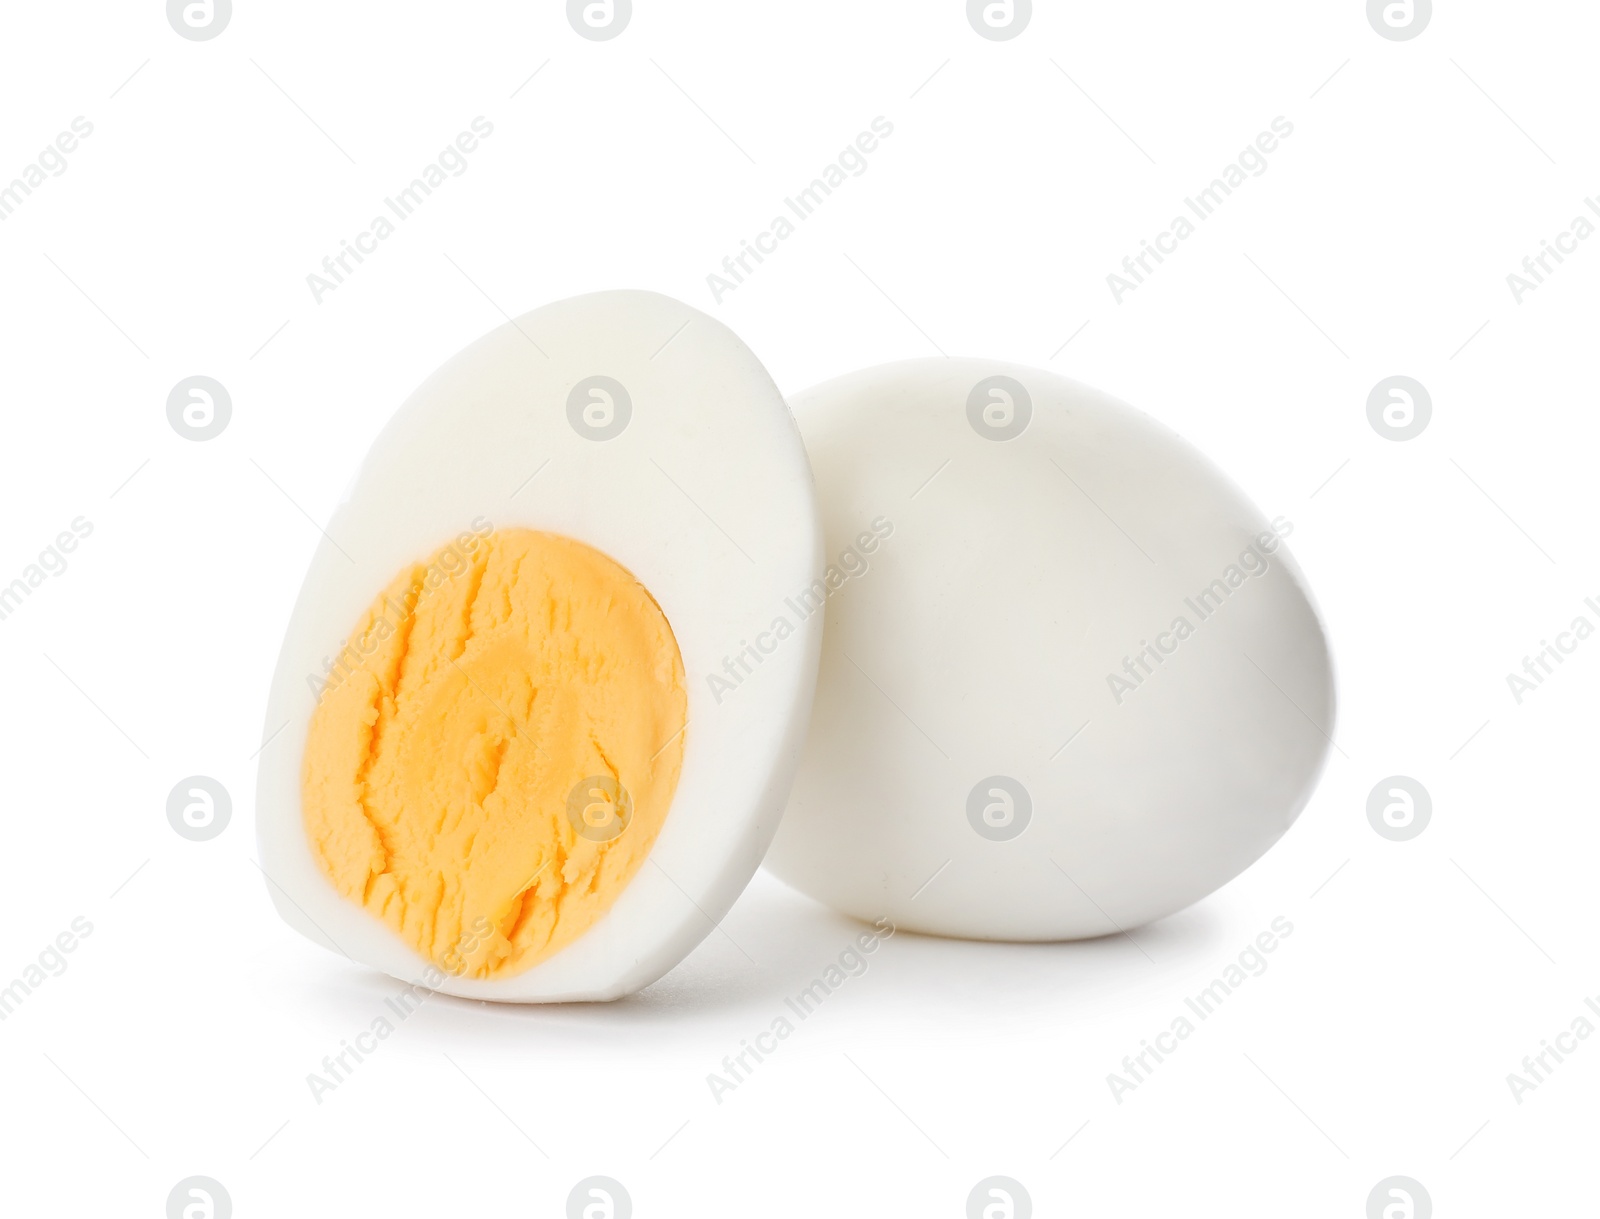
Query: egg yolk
[{"x": 491, "y": 761}]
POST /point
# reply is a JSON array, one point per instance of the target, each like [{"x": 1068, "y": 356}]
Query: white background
[{"x": 220, "y": 173}]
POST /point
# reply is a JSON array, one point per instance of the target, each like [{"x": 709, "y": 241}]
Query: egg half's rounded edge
[
  {"x": 646, "y": 431},
  {"x": 1079, "y": 685}
]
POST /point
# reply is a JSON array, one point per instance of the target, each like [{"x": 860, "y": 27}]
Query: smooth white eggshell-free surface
[
  {"x": 1042, "y": 536},
  {"x": 705, "y": 495}
]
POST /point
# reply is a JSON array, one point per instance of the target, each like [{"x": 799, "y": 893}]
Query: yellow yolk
[{"x": 491, "y": 761}]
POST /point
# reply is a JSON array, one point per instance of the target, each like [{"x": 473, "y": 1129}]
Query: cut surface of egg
[
  {"x": 545, "y": 685},
  {"x": 1075, "y": 681}
]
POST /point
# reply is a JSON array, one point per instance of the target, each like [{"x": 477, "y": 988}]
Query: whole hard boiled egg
[
  {"x": 1073, "y": 681},
  {"x": 544, "y": 688}
]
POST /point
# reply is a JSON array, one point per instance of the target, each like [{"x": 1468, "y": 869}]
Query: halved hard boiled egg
[{"x": 546, "y": 681}]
